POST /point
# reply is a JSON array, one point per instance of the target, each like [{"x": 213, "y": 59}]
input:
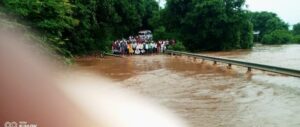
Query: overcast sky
[{"x": 288, "y": 10}]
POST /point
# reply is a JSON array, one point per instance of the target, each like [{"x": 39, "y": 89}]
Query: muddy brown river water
[{"x": 208, "y": 95}]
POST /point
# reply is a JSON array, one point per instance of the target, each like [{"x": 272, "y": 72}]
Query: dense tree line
[
  {"x": 206, "y": 24},
  {"x": 87, "y": 26},
  {"x": 273, "y": 30},
  {"x": 296, "y": 33},
  {"x": 81, "y": 26},
  {"x": 102, "y": 21},
  {"x": 266, "y": 22}
]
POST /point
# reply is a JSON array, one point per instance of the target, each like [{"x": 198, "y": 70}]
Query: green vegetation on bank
[
  {"x": 80, "y": 27},
  {"x": 177, "y": 47},
  {"x": 296, "y": 33},
  {"x": 273, "y": 30},
  {"x": 206, "y": 24},
  {"x": 8, "y": 24},
  {"x": 278, "y": 37},
  {"x": 266, "y": 23}
]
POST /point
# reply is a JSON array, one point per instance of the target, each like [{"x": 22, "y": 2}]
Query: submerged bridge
[{"x": 249, "y": 65}]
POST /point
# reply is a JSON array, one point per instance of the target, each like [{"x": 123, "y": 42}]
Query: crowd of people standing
[{"x": 139, "y": 46}]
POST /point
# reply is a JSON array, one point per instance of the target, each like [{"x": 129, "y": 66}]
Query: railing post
[
  {"x": 215, "y": 62},
  {"x": 249, "y": 70},
  {"x": 229, "y": 66}
]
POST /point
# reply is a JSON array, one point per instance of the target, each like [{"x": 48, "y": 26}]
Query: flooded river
[{"x": 208, "y": 95}]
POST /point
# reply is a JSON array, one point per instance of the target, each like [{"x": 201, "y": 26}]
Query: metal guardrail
[{"x": 249, "y": 65}]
